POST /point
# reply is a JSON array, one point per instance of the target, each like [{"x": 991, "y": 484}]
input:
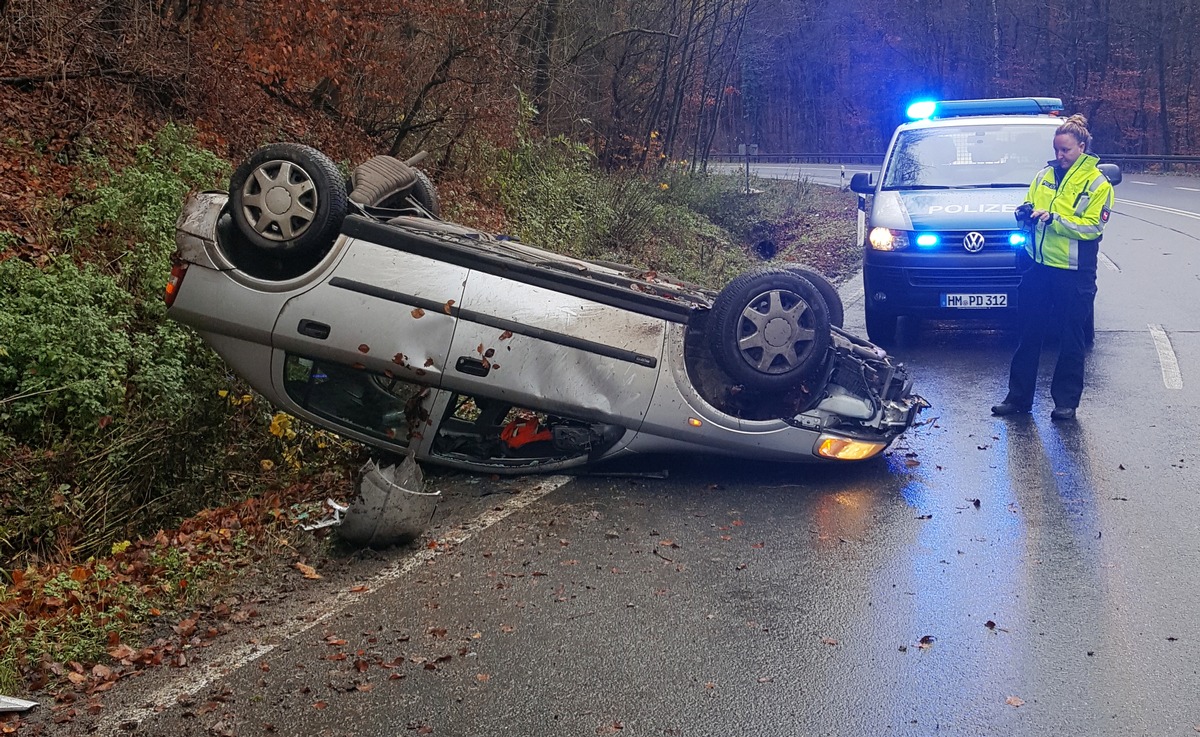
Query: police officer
[{"x": 1070, "y": 201}]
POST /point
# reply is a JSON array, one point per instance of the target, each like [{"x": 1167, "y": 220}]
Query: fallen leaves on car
[
  {"x": 418, "y": 313},
  {"x": 1015, "y": 701},
  {"x": 448, "y": 306},
  {"x": 506, "y": 335}
]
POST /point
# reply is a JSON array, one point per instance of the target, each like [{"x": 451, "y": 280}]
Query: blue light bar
[
  {"x": 1017, "y": 240},
  {"x": 998, "y": 106},
  {"x": 926, "y": 240},
  {"x": 922, "y": 109}
]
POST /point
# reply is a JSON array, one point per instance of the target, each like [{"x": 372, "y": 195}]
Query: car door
[
  {"x": 381, "y": 309},
  {"x": 554, "y": 349},
  {"x": 367, "y": 338}
]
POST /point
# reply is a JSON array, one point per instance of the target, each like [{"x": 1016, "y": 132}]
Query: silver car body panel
[{"x": 558, "y": 352}]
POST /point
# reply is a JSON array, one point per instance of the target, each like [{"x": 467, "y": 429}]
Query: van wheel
[
  {"x": 769, "y": 329},
  {"x": 833, "y": 300},
  {"x": 881, "y": 326},
  {"x": 288, "y": 199}
]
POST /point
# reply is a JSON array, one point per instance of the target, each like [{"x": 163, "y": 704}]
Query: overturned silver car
[{"x": 353, "y": 306}]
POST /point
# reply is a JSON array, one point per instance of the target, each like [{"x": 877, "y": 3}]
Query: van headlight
[{"x": 886, "y": 239}]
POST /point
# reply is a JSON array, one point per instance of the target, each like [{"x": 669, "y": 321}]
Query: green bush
[
  {"x": 128, "y": 214},
  {"x": 110, "y": 415}
]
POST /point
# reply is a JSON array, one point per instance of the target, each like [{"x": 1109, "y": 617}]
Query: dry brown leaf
[
  {"x": 829, "y": 641},
  {"x": 308, "y": 571},
  {"x": 1015, "y": 701}
]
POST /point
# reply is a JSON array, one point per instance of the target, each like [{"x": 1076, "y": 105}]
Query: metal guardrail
[{"x": 1127, "y": 162}]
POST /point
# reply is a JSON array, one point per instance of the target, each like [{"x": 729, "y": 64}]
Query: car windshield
[{"x": 999, "y": 155}]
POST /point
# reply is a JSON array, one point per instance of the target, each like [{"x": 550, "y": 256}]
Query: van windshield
[{"x": 997, "y": 155}]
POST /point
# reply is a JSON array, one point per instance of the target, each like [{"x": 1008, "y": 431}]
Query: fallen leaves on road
[
  {"x": 926, "y": 642},
  {"x": 829, "y": 641},
  {"x": 308, "y": 571},
  {"x": 1015, "y": 701}
]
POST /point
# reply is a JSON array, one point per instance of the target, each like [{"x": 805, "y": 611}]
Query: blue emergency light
[
  {"x": 927, "y": 240},
  {"x": 925, "y": 109},
  {"x": 1017, "y": 240}
]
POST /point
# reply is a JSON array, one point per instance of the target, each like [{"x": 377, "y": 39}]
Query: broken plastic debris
[
  {"x": 390, "y": 505},
  {"x": 333, "y": 521},
  {"x": 9, "y": 704}
]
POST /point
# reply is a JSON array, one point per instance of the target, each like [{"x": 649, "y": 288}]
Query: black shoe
[
  {"x": 1008, "y": 408},
  {"x": 1062, "y": 413}
]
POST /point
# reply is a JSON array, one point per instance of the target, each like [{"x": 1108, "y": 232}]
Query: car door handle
[
  {"x": 313, "y": 329},
  {"x": 472, "y": 366}
]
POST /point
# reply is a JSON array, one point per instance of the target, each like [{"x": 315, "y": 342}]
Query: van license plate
[{"x": 974, "y": 301}]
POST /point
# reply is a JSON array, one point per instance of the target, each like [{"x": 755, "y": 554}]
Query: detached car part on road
[{"x": 352, "y": 306}]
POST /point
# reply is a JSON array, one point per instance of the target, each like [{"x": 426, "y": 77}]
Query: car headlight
[
  {"x": 847, "y": 449},
  {"x": 886, "y": 239}
]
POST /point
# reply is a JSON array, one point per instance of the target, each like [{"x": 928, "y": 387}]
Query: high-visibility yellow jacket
[{"x": 1079, "y": 208}]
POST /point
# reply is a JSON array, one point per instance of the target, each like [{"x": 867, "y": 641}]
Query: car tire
[
  {"x": 425, "y": 194},
  {"x": 769, "y": 329},
  {"x": 881, "y": 326},
  {"x": 288, "y": 199},
  {"x": 833, "y": 300}
]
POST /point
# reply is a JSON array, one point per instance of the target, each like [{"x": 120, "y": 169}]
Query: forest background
[{"x": 580, "y": 126}]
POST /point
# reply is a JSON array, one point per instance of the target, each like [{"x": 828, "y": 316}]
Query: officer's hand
[{"x": 1040, "y": 215}]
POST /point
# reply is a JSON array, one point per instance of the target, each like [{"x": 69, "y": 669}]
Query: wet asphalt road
[{"x": 988, "y": 577}]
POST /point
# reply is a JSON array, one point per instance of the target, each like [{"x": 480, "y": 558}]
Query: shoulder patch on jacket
[{"x": 1104, "y": 212}]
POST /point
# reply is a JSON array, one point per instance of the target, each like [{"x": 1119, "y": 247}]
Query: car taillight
[{"x": 178, "y": 270}]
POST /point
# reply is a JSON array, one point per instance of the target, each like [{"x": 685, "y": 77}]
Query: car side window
[{"x": 375, "y": 404}]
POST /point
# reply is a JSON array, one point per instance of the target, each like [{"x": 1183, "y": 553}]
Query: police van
[{"x": 937, "y": 223}]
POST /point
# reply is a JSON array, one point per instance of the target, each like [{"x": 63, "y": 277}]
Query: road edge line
[
  {"x": 1167, "y": 362},
  {"x": 205, "y": 674}
]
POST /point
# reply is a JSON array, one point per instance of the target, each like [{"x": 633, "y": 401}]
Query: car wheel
[
  {"x": 833, "y": 300},
  {"x": 881, "y": 326},
  {"x": 769, "y": 329},
  {"x": 288, "y": 198},
  {"x": 425, "y": 194}
]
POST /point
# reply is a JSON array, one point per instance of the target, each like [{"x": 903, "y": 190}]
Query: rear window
[{"x": 968, "y": 156}]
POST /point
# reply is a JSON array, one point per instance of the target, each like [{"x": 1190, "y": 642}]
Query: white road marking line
[
  {"x": 1160, "y": 208},
  {"x": 1108, "y": 262},
  {"x": 1144, "y": 184},
  {"x": 1172, "y": 378},
  {"x": 201, "y": 676},
  {"x": 1188, "y": 189}
]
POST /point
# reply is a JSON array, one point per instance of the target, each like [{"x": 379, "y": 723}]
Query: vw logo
[{"x": 973, "y": 241}]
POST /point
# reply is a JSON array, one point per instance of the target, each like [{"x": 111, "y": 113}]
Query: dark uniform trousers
[{"x": 1051, "y": 300}]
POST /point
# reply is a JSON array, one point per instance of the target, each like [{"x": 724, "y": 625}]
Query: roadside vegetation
[{"x": 138, "y": 471}]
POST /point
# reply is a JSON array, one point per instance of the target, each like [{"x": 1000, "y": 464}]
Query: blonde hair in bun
[{"x": 1076, "y": 125}]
